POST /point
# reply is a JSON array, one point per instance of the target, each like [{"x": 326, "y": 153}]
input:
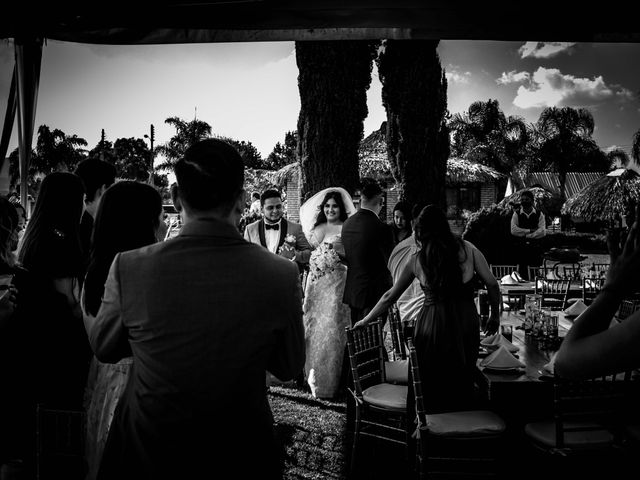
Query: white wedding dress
[{"x": 325, "y": 319}]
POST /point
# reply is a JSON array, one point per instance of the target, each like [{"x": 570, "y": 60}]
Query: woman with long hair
[
  {"x": 129, "y": 217},
  {"x": 324, "y": 315},
  {"x": 447, "y": 330},
  {"x": 401, "y": 224},
  {"x": 51, "y": 252}
]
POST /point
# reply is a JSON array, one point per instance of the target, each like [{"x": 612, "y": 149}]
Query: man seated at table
[{"x": 528, "y": 226}]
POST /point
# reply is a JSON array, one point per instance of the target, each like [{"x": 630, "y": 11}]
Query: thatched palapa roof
[
  {"x": 461, "y": 170},
  {"x": 610, "y": 196}
]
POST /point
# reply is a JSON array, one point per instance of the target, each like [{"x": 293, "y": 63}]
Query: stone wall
[{"x": 293, "y": 197}]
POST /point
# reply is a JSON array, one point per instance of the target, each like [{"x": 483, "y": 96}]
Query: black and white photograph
[{"x": 270, "y": 239}]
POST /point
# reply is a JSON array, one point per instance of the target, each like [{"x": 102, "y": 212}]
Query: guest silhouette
[
  {"x": 134, "y": 209},
  {"x": 204, "y": 315}
]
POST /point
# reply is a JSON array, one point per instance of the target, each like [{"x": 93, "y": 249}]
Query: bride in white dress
[{"x": 325, "y": 316}]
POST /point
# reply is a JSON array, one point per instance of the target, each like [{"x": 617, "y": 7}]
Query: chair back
[
  {"x": 571, "y": 272},
  {"x": 500, "y": 271},
  {"x": 60, "y": 438},
  {"x": 397, "y": 334},
  {"x": 554, "y": 292},
  {"x": 591, "y": 288},
  {"x": 590, "y": 406},
  {"x": 366, "y": 357},
  {"x": 417, "y": 384},
  {"x": 627, "y": 307},
  {"x": 543, "y": 272},
  {"x": 601, "y": 269}
]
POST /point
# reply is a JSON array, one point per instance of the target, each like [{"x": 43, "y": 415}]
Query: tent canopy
[{"x": 183, "y": 21}]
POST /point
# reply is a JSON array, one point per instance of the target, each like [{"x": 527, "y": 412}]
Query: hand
[
  {"x": 493, "y": 323},
  {"x": 623, "y": 276},
  {"x": 288, "y": 253},
  {"x": 362, "y": 323}
]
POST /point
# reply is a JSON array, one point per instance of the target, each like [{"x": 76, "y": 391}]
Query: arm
[
  {"x": 287, "y": 359},
  {"x": 390, "y": 296},
  {"x": 303, "y": 249},
  {"x": 107, "y": 334},
  {"x": 7, "y": 305},
  {"x": 483, "y": 270},
  {"x": 541, "y": 230},
  {"x": 68, "y": 287},
  {"x": 591, "y": 348},
  {"x": 516, "y": 231},
  {"x": 246, "y": 234}
]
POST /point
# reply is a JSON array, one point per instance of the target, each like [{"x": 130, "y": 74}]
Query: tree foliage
[
  {"x": 187, "y": 133},
  {"x": 333, "y": 80},
  {"x": 485, "y": 135},
  {"x": 414, "y": 94},
  {"x": 564, "y": 144},
  {"x": 54, "y": 151},
  {"x": 283, "y": 153}
]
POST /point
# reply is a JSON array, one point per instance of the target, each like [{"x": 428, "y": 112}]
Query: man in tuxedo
[
  {"x": 203, "y": 315},
  {"x": 272, "y": 231},
  {"x": 368, "y": 242}
]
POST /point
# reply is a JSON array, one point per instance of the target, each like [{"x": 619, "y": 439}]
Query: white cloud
[
  {"x": 513, "y": 77},
  {"x": 454, "y": 75},
  {"x": 549, "y": 88},
  {"x": 544, "y": 49}
]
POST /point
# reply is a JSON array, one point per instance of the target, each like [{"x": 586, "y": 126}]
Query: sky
[{"x": 249, "y": 91}]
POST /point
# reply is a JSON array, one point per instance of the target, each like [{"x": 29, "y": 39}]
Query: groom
[{"x": 272, "y": 231}]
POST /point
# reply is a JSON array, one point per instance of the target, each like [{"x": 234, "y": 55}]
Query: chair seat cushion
[
  {"x": 386, "y": 395},
  {"x": 397, "y": 371},
  {"x": 545, "y": 434},
  {"x": 469, "y": 423}
]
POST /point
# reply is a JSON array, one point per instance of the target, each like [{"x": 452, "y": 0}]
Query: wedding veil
[{"x": 309, "y": 210}]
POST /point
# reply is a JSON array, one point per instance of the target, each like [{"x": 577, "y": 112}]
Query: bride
[{"x": 325, "y": 316}]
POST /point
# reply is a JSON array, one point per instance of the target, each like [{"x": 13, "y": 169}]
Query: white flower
[
  {"x": 324, "y": 259},
  {"x": 290, "y": 239}
]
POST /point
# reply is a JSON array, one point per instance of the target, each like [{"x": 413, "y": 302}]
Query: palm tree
[
  {"x": 485, "y": 135},
  {"x": 564, "y": 143},
  {"x": 54, "y": 151},
  {"x": 187, "y": 133},
  {"x": 618, "y": 158}
]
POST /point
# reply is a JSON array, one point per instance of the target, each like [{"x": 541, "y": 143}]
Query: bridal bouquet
[{"x": 324, "y": 259}]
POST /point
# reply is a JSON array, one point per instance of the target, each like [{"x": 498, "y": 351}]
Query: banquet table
[{"x": 526, "y": 395}]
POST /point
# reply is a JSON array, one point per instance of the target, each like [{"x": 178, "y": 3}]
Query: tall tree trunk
[
  {"x": 414, "y": 94},
  {"x": 333, "y": 80}
]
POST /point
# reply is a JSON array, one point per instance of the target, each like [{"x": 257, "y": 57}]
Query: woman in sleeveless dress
[
  {"x": 447, "y": 331},
  {"x": 325, "y": 316},
  {"x": 129, "y": 217}
]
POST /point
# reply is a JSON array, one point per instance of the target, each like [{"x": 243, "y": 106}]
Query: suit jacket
[
  {"x": 367, "y": 244},
  {"x": 254, "y": 233},
  {"x": 204, "y": 315}
]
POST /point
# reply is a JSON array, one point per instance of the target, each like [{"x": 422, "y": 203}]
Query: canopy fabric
[
  {"x": 28, "y": 60},
  {"x": 9, "y": 117},
  {"x": 178, "y": 21}
]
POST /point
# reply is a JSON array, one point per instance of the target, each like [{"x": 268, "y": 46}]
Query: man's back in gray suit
[{"x": 204, "y": 315}]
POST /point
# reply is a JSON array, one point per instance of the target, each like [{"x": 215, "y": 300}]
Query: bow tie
[{"x": 275, "y": 226}]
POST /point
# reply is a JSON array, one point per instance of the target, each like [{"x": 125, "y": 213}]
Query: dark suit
[
  {"x": 204, "y": 315},
  {"x": 368, "y": 242}
]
